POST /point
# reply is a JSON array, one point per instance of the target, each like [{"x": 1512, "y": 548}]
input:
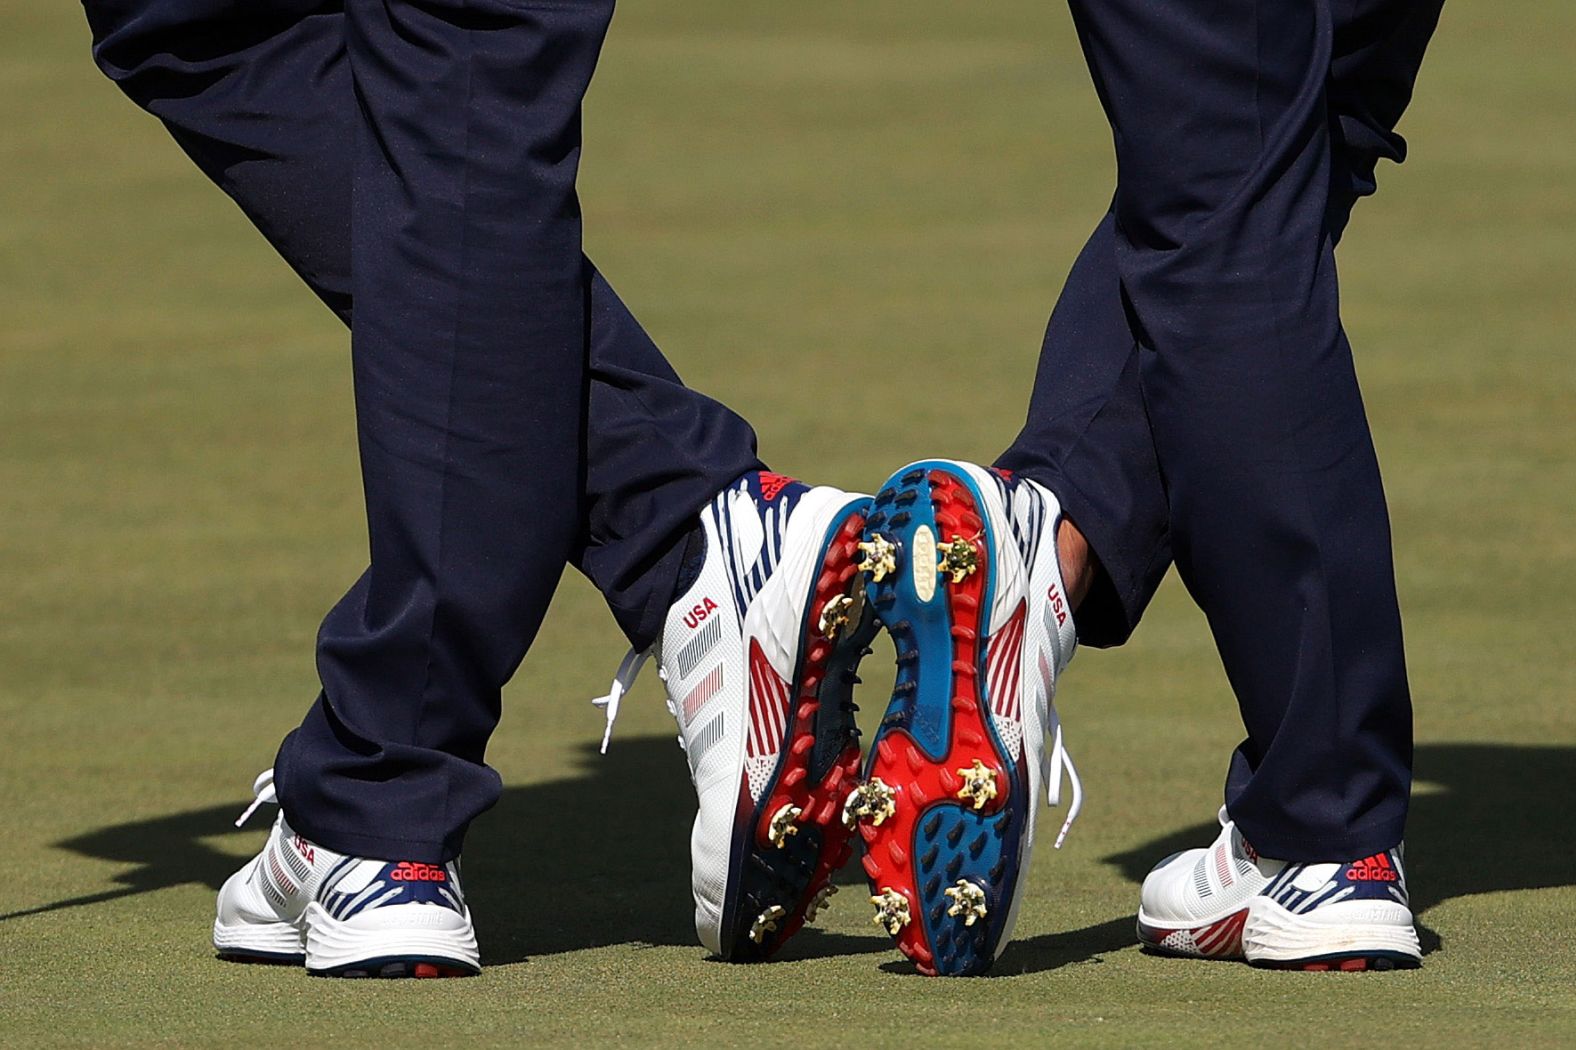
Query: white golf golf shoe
[
  {"x": 298, "y": 902},
  {"x": 758, "y": 656},
  {"x": 1227, "y": 902}
]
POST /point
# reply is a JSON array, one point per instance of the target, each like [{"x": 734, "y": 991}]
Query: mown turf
[{"x": 869, "y": 207}]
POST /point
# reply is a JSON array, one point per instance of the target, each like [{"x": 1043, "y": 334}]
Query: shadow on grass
[
  {"x": 1050, "y": 951},
  {"x": 601, "y": 857}
]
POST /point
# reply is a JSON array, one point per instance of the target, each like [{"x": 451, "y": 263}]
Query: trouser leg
[
  {"x": 1222, "y": 250},
  {"x": 261, "y": 97},
  {"x": 1277, "y": 516},
  {"x": 265, "y": 111},
  {"x": 468, "y": 354},
  {"x": 1087, "y": 434},
  {"x": 1087, "y": 439}
]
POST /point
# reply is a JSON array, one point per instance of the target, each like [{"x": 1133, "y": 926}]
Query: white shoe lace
[
  {"x": 262, "y": 791},
  {"x": 628, "y": 671},
  {"x": 1057, "y": 762}
]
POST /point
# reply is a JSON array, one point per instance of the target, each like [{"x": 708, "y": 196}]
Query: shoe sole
[
  {"x": 943, "y": 872},
  {"x": 413, "y": 964},
  {"x": 409, "y": 947},
  {"x": 389, "y": 966},
  {"x": 398, "y": 967},
  {"x": 256, "y": 958},
  {"x": 779, "y": 877},
  {"x": 266, "y": 944},
  {"x": 1269, "y": 937}
]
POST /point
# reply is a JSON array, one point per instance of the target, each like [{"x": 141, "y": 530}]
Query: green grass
[{"x": 822, "y": 190}]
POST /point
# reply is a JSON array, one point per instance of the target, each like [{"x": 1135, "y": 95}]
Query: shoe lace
[
  {"x": 262, "y": 791},
  {"x": 628, "y": 671},
  {"x": 1058, "y": 762}
]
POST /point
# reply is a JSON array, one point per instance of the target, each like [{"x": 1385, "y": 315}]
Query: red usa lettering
[
  {"x": 694, "y": 617},
  {"x": 304, "y": 848},
  {"x": 1058, "y": 605}
]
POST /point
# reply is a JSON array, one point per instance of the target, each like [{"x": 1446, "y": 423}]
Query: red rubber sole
[
  {"x": 427, "y": 970},
  {"x": 395, "y": 969}
]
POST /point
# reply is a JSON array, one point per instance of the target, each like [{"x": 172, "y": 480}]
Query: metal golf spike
[
  {"x": 818, "y": 902},
  {"x": 835, "y": 615},
  {"x": 979, "y": 784},
  {"x": 873, "y": 801},
  {"x": 960, "y": 558},
  {"x": 783, "y": 825},
  {"x": 843, "y": 609},
  {"x": 880, "y": 556},
  {"x": 968, "y": 901},
  {"x": 766, "y": 922},
  {"x": 891, "y": 910}
]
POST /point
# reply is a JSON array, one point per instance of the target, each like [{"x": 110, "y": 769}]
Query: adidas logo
[
  {"x": 1376, "y": 868},
  {"x": 409, "y": 871},
  {"x": 772, "y": 484}
]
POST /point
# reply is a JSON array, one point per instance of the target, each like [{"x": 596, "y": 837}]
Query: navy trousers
[
  {"x": 415, "y": 161},
  {"x": 1196, "y": 401}
]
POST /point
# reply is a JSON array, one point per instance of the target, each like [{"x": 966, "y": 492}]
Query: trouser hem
[
  {"x": 1110, "y": 612},
  {"x": 376, "y": 847},
  {"x": 1311, "y": 849}
]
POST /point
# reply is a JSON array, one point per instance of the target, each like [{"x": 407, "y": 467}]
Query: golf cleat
[
  {"x": 835, "y": 614},
  {"x": 782, "y": 825},
  {"x": 979, "y": 784},
  {"x": 873, "y": 802},
  {"x": 968, "y": 902},
  {"x": 766, "y": 922},
  {"x": 819, "y": 902},
  {"x": 892, "y": 913},
  {"x": 758, "y": 656},
  {"x": 959, "y": 558},
  {"x": 982, "y": 629},
  {"x": 880, "y": 557}
]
